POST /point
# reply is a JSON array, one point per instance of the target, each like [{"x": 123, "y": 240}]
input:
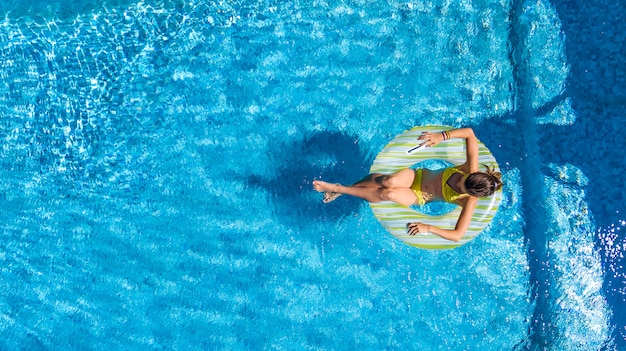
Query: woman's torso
[{"x": 433, "y": 184}]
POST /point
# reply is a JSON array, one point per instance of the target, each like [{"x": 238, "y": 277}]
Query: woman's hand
[
  {"x": 415, "y": 228},
  {"x": 431, "y": 139}
]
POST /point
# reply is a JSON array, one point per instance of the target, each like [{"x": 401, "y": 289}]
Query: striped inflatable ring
[{"x": 396, "y": 156}]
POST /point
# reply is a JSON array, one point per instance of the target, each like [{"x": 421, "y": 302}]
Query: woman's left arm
[
  {"x": 471, "y": 145},
  {"x": 471, "y": 148},
  {"x": 459, "y": 230}
]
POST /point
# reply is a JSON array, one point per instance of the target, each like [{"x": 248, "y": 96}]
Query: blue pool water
[{"x": 157, "y": 162}]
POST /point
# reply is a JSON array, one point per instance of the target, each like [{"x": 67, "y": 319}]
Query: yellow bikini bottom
[{"x": 417, "y": 188}]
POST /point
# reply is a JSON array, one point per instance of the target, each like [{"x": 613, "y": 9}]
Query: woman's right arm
[{"x": 468, "y": 205}]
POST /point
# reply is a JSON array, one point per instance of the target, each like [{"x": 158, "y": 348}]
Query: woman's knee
[
  {"x": 386, "y": 194},
  {"x": 401, "y": 196},
  {"x": 400, "y": 179},
  {"x": 391, "y": 181},
  {"x": 390, "y": 194}
]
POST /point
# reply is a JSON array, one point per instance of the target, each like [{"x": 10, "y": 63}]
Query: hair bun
[{"x": 497, "y": 177}]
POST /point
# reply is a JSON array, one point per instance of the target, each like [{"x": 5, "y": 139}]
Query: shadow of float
[{"x": 330, "y": 156}]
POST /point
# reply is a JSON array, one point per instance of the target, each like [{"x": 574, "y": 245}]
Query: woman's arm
[
  {"x": 471, "y": 145},
  {"x": 471, "y": 148},
  {"x": 459, "y": 230}
]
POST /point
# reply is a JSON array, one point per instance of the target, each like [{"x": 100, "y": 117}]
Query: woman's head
[{"x": 481, "y": 184}]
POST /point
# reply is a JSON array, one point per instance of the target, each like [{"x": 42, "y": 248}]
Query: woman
[{"x": 462, "y": 185}]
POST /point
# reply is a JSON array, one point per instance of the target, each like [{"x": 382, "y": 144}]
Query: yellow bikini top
[{"x": 449, "y": 194}]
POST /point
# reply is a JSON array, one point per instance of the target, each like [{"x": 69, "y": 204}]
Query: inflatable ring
[{"x": 402, "y": 153}]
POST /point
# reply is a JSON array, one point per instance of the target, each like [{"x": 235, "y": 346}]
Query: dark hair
[{"x": 481, "y": 184}]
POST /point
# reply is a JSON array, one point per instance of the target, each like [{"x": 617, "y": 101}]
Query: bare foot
[
  {"x": 322, "y": 186},
  {"x": 330, "y": 196},
  {"x": 327, "y": 188}
]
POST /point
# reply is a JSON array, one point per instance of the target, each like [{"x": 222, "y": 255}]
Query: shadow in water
[
  {"x": 595, "y": 33},
  {"x": 596, "y": 87},
  {"x": 330, "y": 156}
]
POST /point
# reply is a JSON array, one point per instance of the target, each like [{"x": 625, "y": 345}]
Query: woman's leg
[
  {"x": 401, "y": 179},
  {"x": 374, "y": 187},
  {"x": 369, "y": 181},
  {"x": 395, "y": 187},
  {"x": 402, "y": 196},
  {"x": 373, "y": 180},
  {"x": 366, "y": 193}
]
